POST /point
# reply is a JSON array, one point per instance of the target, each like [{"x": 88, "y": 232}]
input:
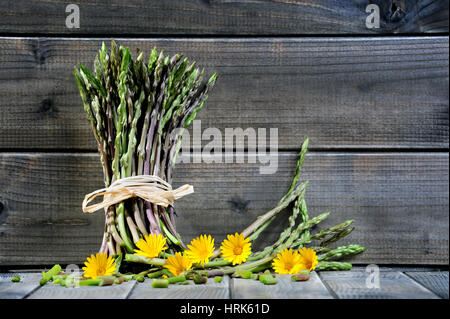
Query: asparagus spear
[
  {"x": 47, "y": 276},
  {"x": 267, "y": 221},
  {"x": 263, "y": 219},
  {"x": 342, "y": 251},
  {"x": 333, "y": 265},
  {"x": 337, "y": 236}
]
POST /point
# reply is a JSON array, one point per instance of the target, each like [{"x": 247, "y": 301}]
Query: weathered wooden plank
[
  {"x": 341, "y": 92},
  {"x": 284, "y": 289},
  {"x": 393, "y": 285},
  {"x": 401, "y": 268},
  {"x": 55, "y": 291},
  {"x": 399, "y": 203},
  {"x": 436, "y": 281},
  {"x": 224, "y": 17},
  {"x": 11, "y": 290},
  {"x": 210, "y": 290}
]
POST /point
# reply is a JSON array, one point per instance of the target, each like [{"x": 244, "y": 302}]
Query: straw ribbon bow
[{"x": 148, "y": 187}]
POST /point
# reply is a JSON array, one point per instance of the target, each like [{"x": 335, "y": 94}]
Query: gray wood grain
[
  {"x": 18, "y": 290},
  {"x": 224, "y": 17},
  {"x": 284, "y": 289},
  {"x": 436, "y": 281},
  {"x": 210, "y": 290},
  {"x": 401, "y": 268},
  {"x": 393, "y": 285},
  {"x": 399, "y": 203},
  {"x": 55, "y": 291},
  {"x": 389, "y": 93}
]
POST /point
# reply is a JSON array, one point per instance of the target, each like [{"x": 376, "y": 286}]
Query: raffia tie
[{"x": 148, "y": 187}]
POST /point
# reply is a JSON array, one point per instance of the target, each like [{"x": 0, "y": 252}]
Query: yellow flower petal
[
  {"x": 287, "y": 262},
  {"x": 178, "y": 264},
  {"x": 308, "y": 258},
  {"x": 236, "y": 248},
  {"x": 201, "y": 249},
  {"x": 151, "y": 245},
  {"x": 99, "y": 265}
]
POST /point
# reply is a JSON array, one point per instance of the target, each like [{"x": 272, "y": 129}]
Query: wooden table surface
[{"x": 394, "y": 283}]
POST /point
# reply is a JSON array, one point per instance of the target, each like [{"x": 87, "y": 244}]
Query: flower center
[
  {"x": 237, "y": 250},
  {"x": 288, "y": 265},
  {"x": 101, "y": 271},
  {"x": 204, "y": 253}
]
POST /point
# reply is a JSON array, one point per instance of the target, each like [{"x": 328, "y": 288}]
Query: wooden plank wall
[{"x": 374, "y": 103}]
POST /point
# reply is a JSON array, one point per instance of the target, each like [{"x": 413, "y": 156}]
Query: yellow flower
[
  {"x": 151, "y": 245},
  {"x": 200, "y": 249},
  {"x": 99, "y": 265},
  {"x": 308, "y": 258},
  {"x": 236, "y": 248},
  {"x": 178, "y": 264},
  {"x": 287, "y": 262}
]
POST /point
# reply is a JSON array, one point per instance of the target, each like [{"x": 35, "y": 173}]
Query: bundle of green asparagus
[{"x": 138, "y": 112}]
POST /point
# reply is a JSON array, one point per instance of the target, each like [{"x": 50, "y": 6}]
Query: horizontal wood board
[
  {"x": 241, "y": 17},
  {"x": 362, "y": 93},
  {"x": 210, "y": 290},
  {"x": 284, "y": 289},
  {"x": 55, "y": 291},
  {"x": 358, "y": 285},
  {"x": 436, "y": 281},
  {"x": 399, "y": 202},
  {"x": 29, "y": 282},
  {"x": 394, "y": 284}
]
